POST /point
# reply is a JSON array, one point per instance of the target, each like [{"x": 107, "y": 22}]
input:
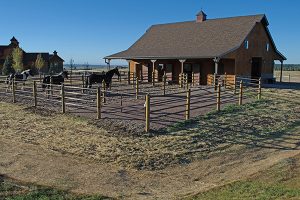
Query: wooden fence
[{"x": 161, "y": 103}]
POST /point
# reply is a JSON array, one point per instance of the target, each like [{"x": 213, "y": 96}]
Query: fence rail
[{"x": 161, "y": 103}]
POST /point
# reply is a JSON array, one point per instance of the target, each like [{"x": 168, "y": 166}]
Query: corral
[{"x": 134, "y": 105}]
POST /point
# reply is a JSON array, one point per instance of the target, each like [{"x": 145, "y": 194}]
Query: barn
[{"x": 241, "y": 46}]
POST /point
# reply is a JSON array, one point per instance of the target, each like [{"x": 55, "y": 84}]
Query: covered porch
[{"x": 195, "y": 70}]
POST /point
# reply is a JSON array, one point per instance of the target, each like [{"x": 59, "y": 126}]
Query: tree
[
  {"x": 17, "y": 55},
  {"x": 40, "y": 62},
  {"x": 7, "y": 66}
]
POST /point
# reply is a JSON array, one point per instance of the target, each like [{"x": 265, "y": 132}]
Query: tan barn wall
[{"x": 258, "y": 39}]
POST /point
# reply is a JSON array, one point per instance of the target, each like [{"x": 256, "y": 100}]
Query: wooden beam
[{"x": 281, "y": 68}]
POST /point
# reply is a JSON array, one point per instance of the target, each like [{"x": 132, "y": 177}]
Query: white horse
[{"x": 19, "y": 77}]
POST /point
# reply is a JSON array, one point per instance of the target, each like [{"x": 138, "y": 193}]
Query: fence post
[
  {"x": 259, "y": 89},
  {"x": 34, "y": 90},
  {"x": 241, "y": 94},
  {"x": 219, "y": 97},
  {"x": 133, "y": 79},
  {"x": 82, "y": 79},
  {"x": 186, "y": 81},
  {"x": 137, "y": 88},
  {"x": 14, "y": 91},
  {"x": 188, "y": 105},
  {"x": 234, "y": 84},
  {"x": 51, "y": 86},
  {"x": 289, "y": 78},
  {"x": 215, "y": 81},
  {"x": 63, "y": 103},
  {"x": 153, "y": 78},
  {"x": 225, "y": 80},
  {"x": 98, "y": 102},
  {"x": 121, "y": 102},
  {"x": 180, "y": 80},
  {"x": 128, "y": 77},
  {"x": 147, "y": 113},
  {"x": 165, "y": 82},
  {"x": 104, "y": 91}
]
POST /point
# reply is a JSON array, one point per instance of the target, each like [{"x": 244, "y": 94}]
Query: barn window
[
  {"x": 246, "y": 44},
  {"x": 268, "y": 46}
]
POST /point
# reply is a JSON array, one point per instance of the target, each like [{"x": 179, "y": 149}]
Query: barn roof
[
  {"x": 208, "y": 39},
  {"x": 31, "y": 57}
]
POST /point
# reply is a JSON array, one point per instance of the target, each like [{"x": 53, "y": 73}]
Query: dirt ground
[
  {"x": 71, "y": 153},
  {"x": 129, "y": 116}
]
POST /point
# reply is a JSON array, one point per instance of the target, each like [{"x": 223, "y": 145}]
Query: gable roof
[
  {"x": 52, "y": 56},
  {"x": 208, "y": 39}
]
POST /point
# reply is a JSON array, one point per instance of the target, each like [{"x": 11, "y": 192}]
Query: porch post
[
  {"x": 108, "y": 63},
  {"x": 216, "y": 60},
  {"x": 129, "y": 72},
  {"x": 153, "y": 71},
  {"x": 181, "y": 73},
  {"x": 281, "y": 68}
]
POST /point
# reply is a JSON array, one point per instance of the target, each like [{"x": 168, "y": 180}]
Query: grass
[
  {"x": 250, "y": 125},
  {"x": 282, "y": 181},
  {"x": 11, "y": 190}
]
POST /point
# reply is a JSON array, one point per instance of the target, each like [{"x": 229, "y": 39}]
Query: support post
[
  {"x": 34, "y": 91},
  {"x": 98, "y": 102},
  {"x": 219, "y": 97},
  {"x": 281, "y": 69},
  {"x": 128, "y": 77},
  {"x": 153, "y": 72},
  {"x": 193, "y": 79},
  {"x": 137, "y": 88},
  {"x": 14, "y": 91},
  {"x": 181, "y": 76},
  {"x": 63, "y": 103},
  {"x": 259, "y": 89},
  {"x": 216, "y": 60},
  {"x": 147, "y": 113},
  {"x": 180, "y": 80},
  {"x": 225, "y": 80},
  {"x": 165, "y": 82},
  {"x": 104, "y": 91},
  {"x": 241, "y": 94},
  {"x": 188, "y": 105}
]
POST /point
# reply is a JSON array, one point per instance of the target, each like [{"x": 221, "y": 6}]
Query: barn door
[{"x": 256, "y": 68}]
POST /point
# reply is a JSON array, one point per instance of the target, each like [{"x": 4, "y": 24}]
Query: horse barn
[{"x": 240, "y": 46}]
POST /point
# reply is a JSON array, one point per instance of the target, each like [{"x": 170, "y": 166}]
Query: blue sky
[{"x": 88, "y": 30}]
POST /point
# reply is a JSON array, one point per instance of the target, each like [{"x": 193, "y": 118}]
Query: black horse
[
  {"x": 19, "y": 77},
  {"x": 99, "y": 78},
  {"x": 56, "y": 79}
]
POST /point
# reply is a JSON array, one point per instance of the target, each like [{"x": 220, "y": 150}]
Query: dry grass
[
  {"x": 292, "y": 76},
  {"x": 254, "y": 124}
]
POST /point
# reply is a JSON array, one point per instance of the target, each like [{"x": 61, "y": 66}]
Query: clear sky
[{"x": 88, "y": 30}]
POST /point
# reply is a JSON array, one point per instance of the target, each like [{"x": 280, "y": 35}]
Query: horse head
[
  {"x": 28, "y": 72},
  {"x": 116, "y": 71},
  {"x": 65, "y": 74}
]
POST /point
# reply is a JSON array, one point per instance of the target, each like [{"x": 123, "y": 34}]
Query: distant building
[
  {"x": 52, "y": 61},
  {"x": 241, "y": 46}
]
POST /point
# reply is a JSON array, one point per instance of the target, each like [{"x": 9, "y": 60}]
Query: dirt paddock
[{"x": 123, "y": 110}]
